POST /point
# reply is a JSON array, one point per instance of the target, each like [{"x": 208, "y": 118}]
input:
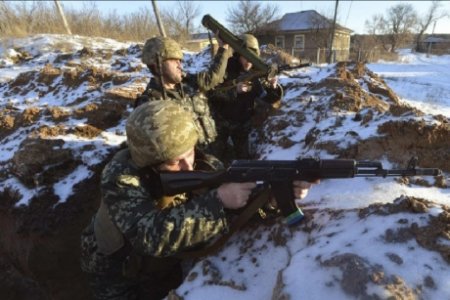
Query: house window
[
  {"x": 299, "y": 41},
  {"x": 279, "y": 41}
]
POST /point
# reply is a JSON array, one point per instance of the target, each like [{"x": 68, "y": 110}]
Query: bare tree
[
  {"x": 179, "y": 22},
  {"x": 377, "y": 28},
  {"x": 401, "y": 19},
  {"x": 432, "y": 15},
  {"x": 141, "y": 24},
  {"x": 396, "y": 27},
  {"x": 248, "y": 16}
]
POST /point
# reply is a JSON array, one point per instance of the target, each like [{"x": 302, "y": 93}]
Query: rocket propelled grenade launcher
[
  {"x": 236, "y": 43},
  {"x": 279, "y": 175},
  {"x": 262, "y": 69}
]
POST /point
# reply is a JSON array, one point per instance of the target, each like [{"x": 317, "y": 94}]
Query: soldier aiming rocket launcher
[
  {"x": 279, "y": 175},
  {"x": 261, "y": 68}
]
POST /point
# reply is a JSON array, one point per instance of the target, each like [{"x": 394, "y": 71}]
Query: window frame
[
  {"x": 302, "y": 36},
  {"x": 282, "y": 41}
]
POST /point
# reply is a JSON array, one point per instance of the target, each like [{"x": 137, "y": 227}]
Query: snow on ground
[
  {"x": 306, "y": 264},
  {"x": 420, "y": 80}
]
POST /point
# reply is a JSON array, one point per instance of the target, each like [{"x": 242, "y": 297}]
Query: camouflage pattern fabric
[
  {"x": 232, "y": 111},
  {"x": 239, "y": 133},
  {"x": 158, "y": 131},
  {"x": 153, "y": 236},
  {"x": 190, "y": 94},
  {"x": 165, "y": 47}
]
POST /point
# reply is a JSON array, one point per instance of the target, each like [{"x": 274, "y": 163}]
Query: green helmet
[
  {"x": 158, "y": 131},
  {"x": 166, "y": 47},
  {"x": 251, "y": 43}
]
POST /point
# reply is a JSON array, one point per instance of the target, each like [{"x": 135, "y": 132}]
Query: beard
[{"x": 172, "y": 77}]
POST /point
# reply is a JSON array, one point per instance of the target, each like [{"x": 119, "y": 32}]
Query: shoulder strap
[{"x": 148, "y": 94}]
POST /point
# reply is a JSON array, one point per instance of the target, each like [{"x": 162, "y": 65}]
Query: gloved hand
[{"x": 235, "y": 195}]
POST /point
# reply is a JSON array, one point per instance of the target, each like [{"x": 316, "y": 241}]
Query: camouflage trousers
[
  {"x": 125, "y": 275},
  {"x": 239, "y": 135}
]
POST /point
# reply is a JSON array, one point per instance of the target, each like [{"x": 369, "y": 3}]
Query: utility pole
[
  {"x": 63, "y": 17},
  {"x": 431, "y": 40},
  {"x": 333, "y": 31},
  {"x": 158, "y": 19}
]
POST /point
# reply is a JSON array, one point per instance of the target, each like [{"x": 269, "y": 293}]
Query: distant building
[
  {"x": 307, "y": 34},
  {"x": 438, "y": 44},
  {"x": 198, "y": 41}
]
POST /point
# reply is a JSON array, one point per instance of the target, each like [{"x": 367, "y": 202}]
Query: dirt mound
[
  {"x": 39, "y": 244},
  {"x": 401, "y": 133},
  {"x": 402, "y": 140},
  {"x": 42, "y": 162},
  {"x": 349, "y": 94},
  {"x": 427, "y": 236}
]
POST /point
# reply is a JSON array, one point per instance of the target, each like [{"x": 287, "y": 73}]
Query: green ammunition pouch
[
  {"x": 109, "y": 238},
  {"x": 111, "y": 242},
  {"x": 198, "y": 104},
  {"x": 207, "y": 126}
]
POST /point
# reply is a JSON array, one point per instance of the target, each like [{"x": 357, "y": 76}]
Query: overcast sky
[{"x": 351, "y": 14}]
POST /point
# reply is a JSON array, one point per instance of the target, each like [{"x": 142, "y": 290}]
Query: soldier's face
[
  {"x": 172, "y": 71},
  {"x": 246, "y": 65},
  {"x": 183, "y": 162}
]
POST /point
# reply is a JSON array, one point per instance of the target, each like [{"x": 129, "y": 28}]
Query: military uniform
[
  {"x": 233, "y": 112},
  {"x": 130, "y": 248},
  {"x": 191, "y": 92}
]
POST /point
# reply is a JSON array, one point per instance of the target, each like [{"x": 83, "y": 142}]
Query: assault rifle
[
  {"x": 248, "y": 77},
  {"x": 238, "y": 45},
  {"x": 279, "y": 175}
]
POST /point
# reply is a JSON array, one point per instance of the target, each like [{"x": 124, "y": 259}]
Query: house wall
[
  {"x": 198, "y": 45},
  {"x": 312, "y": 42},
  {"x": 436, "y": 48}
]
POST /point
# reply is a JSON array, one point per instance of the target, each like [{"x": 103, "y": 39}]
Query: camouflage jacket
[
  {"x": 191, "y": 95},
  {"x": 130, "y": 198},
  {"x": 239, "y": 108}
]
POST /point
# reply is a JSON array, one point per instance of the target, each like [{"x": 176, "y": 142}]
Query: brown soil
[
  {"x": 105, "y": 115},
  {"x": 403, "y": 140},
  {"x": 42, "y": 162},
  {"x": 427, "y": 236},
  {"x": 39, "y": 243}
]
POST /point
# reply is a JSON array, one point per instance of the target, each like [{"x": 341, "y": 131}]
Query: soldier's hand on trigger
[
  {"x": 235, "y": 195},
  {"x": 301, "y": 188}
]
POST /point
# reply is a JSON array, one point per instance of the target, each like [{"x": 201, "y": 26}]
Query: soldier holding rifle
[{"x": 133, "y": 247}]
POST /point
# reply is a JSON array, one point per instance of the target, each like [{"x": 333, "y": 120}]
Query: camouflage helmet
[
  {"x": 251, "y": 43},
  {"x": 158, "y": 131},
  {"x": 166, "y": 47}
]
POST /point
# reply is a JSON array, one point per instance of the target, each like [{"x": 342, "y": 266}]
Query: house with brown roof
[{"x": 307, "y": 35}]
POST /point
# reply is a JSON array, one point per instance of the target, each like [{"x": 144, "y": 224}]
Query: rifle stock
[{"x": 279, "y": 175}]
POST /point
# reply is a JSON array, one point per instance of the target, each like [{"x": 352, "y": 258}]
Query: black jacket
[{"x": 234, "y": 107}]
